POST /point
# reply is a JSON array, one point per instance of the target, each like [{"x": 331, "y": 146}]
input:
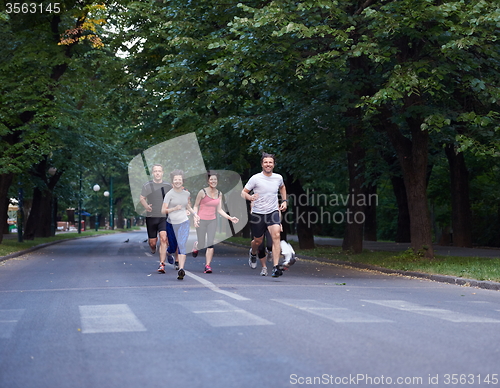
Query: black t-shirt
[{"x": 154, "y": 194}]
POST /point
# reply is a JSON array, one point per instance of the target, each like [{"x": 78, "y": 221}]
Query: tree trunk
[
  {"x": 246, "y": 232},
  {"x": 353, "y": 237},
  {"x": 461, "y": 215},
  {"x": 39, "y": 223},
  {"x": 5, "y": 182},
  {"x": 370, "y": 233},
  {"x": 4, "y": 229},
  {"x": 399, "y": 190},
  {"x": 39, "y": 220},
  {"x": 120, "y": 222},
  {"x": 403, "y": 234},
  {"x": 413, "y": 157},
  {"x": 299, "y": 211}
]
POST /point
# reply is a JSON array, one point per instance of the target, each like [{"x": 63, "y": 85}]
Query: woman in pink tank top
[{"x": 208, "y": 203}]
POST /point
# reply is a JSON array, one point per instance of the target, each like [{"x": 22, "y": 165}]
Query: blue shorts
[{"x": 177, "y": 235}]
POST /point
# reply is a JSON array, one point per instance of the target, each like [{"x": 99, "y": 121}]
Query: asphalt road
[{"x": 94, "y": 313}]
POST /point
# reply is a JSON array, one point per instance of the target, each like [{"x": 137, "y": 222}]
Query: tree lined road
[{"x": 93, "y": 312}]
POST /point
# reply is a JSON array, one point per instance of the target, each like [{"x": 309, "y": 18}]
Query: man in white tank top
[{"x": 266, "y": 209}]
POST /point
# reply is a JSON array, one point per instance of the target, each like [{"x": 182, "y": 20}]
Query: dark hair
[
  {"x": 176, "y": 172},
  {"x": 266, "y": 155},
  {"x": 210, "y": 173}
]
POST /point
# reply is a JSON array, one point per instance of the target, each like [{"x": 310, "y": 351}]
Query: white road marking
[
  {"x": 336, "y": 314},
  {"x": 214, "y": 288},
  {"x": 109, "y": 318},
  {"x": 8, "y": 321},
  {"x": 219, "y": 313},
  {"x": 444, "y": 314}
]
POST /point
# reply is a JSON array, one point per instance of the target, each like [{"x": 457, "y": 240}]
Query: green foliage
[
  {"x": 282, "y": 77},
  {"x": 65, "y": 99}
]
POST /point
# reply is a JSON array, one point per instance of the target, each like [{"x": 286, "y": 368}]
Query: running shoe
[
  {"x": 277, "y": 272},
  {"x": 170, "y": 258},
  {"x": 195, "y": 249},
  {"x": 181, "y": 274},
  {"x": 264, "y": 271},
  {"x": 252, "y": 259},
  {"x": 269, "y": 255},
  {"x": 176, "y": 265},
  {"x": 208, "y": 269},
  {"x": 161, "y": 268}
]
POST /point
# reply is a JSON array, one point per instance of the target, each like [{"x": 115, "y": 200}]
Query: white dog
[{"x": 289, "y": 254}]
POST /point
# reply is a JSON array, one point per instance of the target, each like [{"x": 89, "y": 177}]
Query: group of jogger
[{"x": 168, "y": 208}]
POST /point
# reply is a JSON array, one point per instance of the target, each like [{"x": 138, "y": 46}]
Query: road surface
[{"x": 93, "y": 313}]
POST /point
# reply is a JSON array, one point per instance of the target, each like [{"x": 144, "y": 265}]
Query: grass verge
[
  {"x": 11, "y": 245},
  {"x": 477, "y": 268}
]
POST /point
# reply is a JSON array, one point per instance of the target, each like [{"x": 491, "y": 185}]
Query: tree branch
[{"x": 365, "y": 5}]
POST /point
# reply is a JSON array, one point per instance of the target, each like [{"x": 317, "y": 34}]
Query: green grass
[
  {"x": 477, "y": 268},
  {"x": 11, "y": 245}
]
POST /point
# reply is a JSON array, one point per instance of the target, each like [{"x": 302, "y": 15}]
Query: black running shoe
[
  {"x": 176, "y": 265},
  {"x": 181, "y": 274},
  {"x": 277, "y": 272}
]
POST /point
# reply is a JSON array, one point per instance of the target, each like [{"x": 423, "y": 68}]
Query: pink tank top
[{"x": 208, "y": 208}]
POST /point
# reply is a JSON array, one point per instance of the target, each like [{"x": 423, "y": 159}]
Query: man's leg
[
  {"x": 163, "y": 246},
  {"x": 152, "y": 229},
  {"x": 261, "y": 254},
  {"x": 256, "y": 243},
  {"x": 152, "y": 244},
  {"x": 258, "y": 228},
  {"x": 274, "y": 231},
  {"x": 171, "y": 243}
]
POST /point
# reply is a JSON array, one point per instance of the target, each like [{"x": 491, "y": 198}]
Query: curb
[
  {"x": 37, "y": 247},
  {"x": 488, "y": 285}
]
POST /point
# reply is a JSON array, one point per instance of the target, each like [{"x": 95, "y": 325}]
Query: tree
[
  {"x": 439, "y": 49},
  {"x": 55, "y": 100}
]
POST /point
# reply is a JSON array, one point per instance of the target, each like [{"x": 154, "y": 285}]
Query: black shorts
[
  {"x": 155, "y": 225},
  {"x": 260, "y": 222}
]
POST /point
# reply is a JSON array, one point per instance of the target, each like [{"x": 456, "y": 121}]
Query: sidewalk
[{"x": 493, "y": 253}]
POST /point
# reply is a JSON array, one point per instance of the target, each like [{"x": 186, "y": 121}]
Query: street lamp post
[
  {"x": 80, "y": 206},
  {"x": 111, "y": 213},
  {"x": 53, "y": 203},
  {"x": 20, "y": 214},
  {"x": 106, "y": 194},
  {"x": 96, "y": 188}
]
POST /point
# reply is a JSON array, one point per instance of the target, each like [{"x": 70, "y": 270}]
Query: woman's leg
[
  {"x": 201, "y": 232},
  {"x": 211, "y": 227},
  {"x": 182, "y": 234}
]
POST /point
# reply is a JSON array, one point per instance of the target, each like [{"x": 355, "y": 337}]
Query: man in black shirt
[{"x": 156, "y": 223}]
